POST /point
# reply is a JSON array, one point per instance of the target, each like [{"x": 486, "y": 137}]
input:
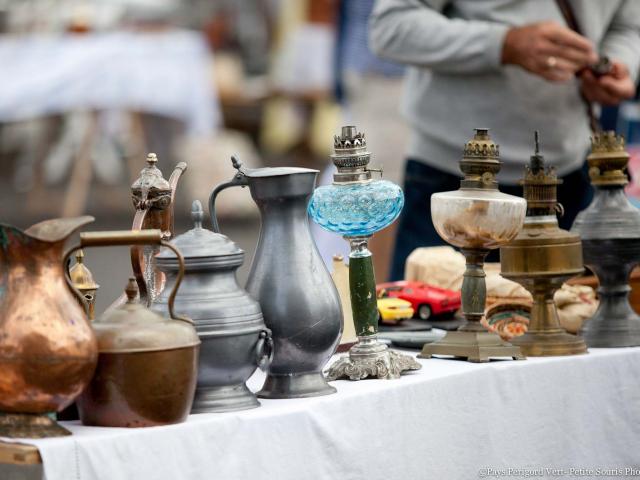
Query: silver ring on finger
[{"x": 552, "y": 62}]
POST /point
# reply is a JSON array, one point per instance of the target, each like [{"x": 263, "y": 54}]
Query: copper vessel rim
[{"x": 54, "y": 230}]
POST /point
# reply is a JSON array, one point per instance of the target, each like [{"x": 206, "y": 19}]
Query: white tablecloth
[
  {"x": 447, "y": 421},
  {"x": 166, "y": 73}
]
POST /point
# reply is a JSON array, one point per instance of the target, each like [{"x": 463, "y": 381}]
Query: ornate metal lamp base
[
  {"x": 550, "y": 343},
  {"x": 28, "y": 425},
  {"x": 475, "y": 346},
  {"x": 472, "y": 341},
  {"x": 370, "y": 358}
]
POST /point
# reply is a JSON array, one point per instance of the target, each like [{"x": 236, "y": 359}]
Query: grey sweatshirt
[{"x": 456, "y": 81}]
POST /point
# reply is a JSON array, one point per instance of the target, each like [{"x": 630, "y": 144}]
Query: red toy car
[{"x": 426, "y": 299}]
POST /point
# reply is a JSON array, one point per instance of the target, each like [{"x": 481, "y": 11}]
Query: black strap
[{"x": 569, "y": 16}]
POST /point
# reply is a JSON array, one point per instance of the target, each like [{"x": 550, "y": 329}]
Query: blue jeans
[{"x": 415, "y": 228}]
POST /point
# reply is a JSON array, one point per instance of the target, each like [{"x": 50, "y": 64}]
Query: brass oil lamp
[
  {"x": 476, "y": 218},
  {"x": 541, "y": 258},
  {"x": 356, "y": 206},
  {"x": 82, "y": 279},
  {"x": 610, "y": 232}
]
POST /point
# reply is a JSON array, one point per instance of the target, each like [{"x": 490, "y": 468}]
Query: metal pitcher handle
[
  {"x": 264, "y": 349},
  {"x": 239, "y": 180},
  {"x": 126, "y": 237}
]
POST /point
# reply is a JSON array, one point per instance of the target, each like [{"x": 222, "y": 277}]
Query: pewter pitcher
[{"x": 299, "y": 301}]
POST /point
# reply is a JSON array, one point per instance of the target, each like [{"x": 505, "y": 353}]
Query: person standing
[{"x": 514, "y": 66}]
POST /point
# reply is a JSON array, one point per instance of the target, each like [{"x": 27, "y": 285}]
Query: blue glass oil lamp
[{"x": 355, "y": 206}]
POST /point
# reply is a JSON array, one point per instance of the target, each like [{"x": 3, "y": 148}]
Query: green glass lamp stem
[{"x": 362, "y": 285}]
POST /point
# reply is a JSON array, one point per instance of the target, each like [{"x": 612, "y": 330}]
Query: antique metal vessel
[
  {"x": 476, "y": 218},
  {"x": 299, "y": 301},
  {"x": 48, "y": 350},
  {"x": 82, "y": 279},
  {"x": 147, "y": 363},
  {"x": 541, "y": 258},
  {"x": 610, "y": 232},
  {"x": 229, "y": 322},
  {"x": 153, "y": 198},
  {"x": 356, "y": 207}
]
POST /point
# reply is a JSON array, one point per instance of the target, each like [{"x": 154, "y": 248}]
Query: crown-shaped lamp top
[
  {"x": 608, "y": 159},
  {"x": 351, "y": 156},
  {"x": 540, "y": 184},
  {"x": 480, "y": 161}
]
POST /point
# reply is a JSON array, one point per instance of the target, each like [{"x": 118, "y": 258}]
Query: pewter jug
[
  {"x": 228, "y": 321},
  {"x": 299, "y": 301}
]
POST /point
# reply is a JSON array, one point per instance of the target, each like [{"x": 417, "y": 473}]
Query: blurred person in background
[{"x": 513, "y": 66}]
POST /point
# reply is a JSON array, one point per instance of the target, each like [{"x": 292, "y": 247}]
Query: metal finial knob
[
  {"x": 197, "y": 213},
  {"x": 152, "y": 159},
  {"x": 79, "y": 256},
  {"x": 131, "y": 290},
  {"x": 349, "y": 131},
  {"x": 537, "y": 160},
  {"x": 481, "y": 132}
]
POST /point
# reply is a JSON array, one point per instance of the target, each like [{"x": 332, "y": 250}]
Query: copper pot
[
  {"x": 48, "y": 350},
  {"x": 147, "y": 364}
]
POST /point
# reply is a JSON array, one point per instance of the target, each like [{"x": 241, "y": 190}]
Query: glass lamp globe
[
  {"x": 477, "y": 218},
  {"x": 356, "y": 210}
]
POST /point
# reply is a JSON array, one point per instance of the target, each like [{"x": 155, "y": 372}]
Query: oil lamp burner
[
  {"x": 541, "y": 258},
  {"x": 476, "y": 218},
  {"x": 356, "y": 207},
  {"x": 82, "y": 279},
  {"x": 610, "y": 230}
]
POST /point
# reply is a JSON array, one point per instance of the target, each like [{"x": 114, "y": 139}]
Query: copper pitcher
[{"x": 48, "y": 351}]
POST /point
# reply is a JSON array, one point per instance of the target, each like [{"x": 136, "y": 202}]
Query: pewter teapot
[{"x": 229, "y": 322}]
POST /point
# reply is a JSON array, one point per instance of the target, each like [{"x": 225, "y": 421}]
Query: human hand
[
  {"x": 548, "y": 50},
  {"x": 609, "y": 89}
]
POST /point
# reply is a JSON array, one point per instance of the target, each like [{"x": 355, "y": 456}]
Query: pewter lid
[
  {"x": 132, "y": 328},
  {"x": 201, "y": 247}
]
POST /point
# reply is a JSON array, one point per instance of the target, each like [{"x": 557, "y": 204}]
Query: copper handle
[
  {"x": 126, "y": 237},
  {"x": 121, "y": 237}
]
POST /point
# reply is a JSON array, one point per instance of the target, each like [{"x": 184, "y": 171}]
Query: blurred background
[{"x": 88, "y": 88}]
